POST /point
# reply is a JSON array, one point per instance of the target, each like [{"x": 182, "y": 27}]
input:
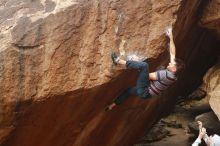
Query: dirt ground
[
  {"x": 177, "y": 126},
  {"x": 179, "y": 138}
]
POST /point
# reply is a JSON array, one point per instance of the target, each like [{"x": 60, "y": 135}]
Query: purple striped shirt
[{"x": 163, "y": 80}]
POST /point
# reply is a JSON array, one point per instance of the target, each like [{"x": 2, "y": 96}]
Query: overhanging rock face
[
  {"x": 211, "y": 17},
  {"x": 56, "y": 73},
  {"x": 53, "y": 47}
]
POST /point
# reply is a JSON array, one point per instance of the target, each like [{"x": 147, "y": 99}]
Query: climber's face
[{"x": 172, "y": 67}]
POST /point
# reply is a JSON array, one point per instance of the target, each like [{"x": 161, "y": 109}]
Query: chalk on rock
[{"x": 135, "y": 57}]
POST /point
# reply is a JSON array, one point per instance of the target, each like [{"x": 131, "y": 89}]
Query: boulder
[
  {"x": 198, "y": 94},
  {"x": 212, "y": 86},
  {"x": 211, "y": 17},
  {"x": 56, "y": 72},
  {"x": 56, "y": 75},
  {"x": 157, "y": 132}
]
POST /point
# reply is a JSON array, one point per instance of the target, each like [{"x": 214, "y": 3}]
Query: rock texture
[
  {"x": 56, "y": 73},
  {"x": 211, "y": 17},
  {"x": 211, "y": 20},
  {"x": 212, "y": 86}
]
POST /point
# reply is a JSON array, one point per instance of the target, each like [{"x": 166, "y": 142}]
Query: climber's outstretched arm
[{"x": 172, "y": 48}]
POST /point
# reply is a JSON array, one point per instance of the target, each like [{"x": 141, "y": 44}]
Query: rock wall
[
  {"x": 212, "y": 86},
  {"x": 197, "y": 47},
  {"x": 56, "y": 73},
  {"x": 211, "y": 17},
  {"x": 211, "y": 21}
]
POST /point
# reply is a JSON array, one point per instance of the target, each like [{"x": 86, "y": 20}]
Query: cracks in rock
[
  {"x": 21, "y": 80},
  {"x": 211, "y": 20},
  {"x": 62, "y": 42},
  {"x": 163, "y": 10},
  {"x": 25, "y": 47}
]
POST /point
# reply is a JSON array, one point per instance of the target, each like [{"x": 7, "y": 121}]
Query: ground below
[
  {"x": 175, "y": 129},
  {"x": 177, "y": 137}
]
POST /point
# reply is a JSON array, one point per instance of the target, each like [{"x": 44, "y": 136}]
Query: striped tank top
[{"x": 163, "y": 80}]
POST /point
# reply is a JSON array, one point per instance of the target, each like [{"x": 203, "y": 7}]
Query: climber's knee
[
  {"x": 144, "y": 65},
  {"x": 143, "y": 94}
]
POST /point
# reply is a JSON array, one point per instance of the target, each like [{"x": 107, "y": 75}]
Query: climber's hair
[{"x": 179, "y": 66}]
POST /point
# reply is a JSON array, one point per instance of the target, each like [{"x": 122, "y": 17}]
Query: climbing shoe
[
  {"x": 115, "y": 58},
  {"x": 107, "y": 108},
  {"x": 110, "y": 107}
]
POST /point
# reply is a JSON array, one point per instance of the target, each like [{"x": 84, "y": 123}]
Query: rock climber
[
  {"x": 148, "y": 84},
  {"x": 209, "y": 140}
]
